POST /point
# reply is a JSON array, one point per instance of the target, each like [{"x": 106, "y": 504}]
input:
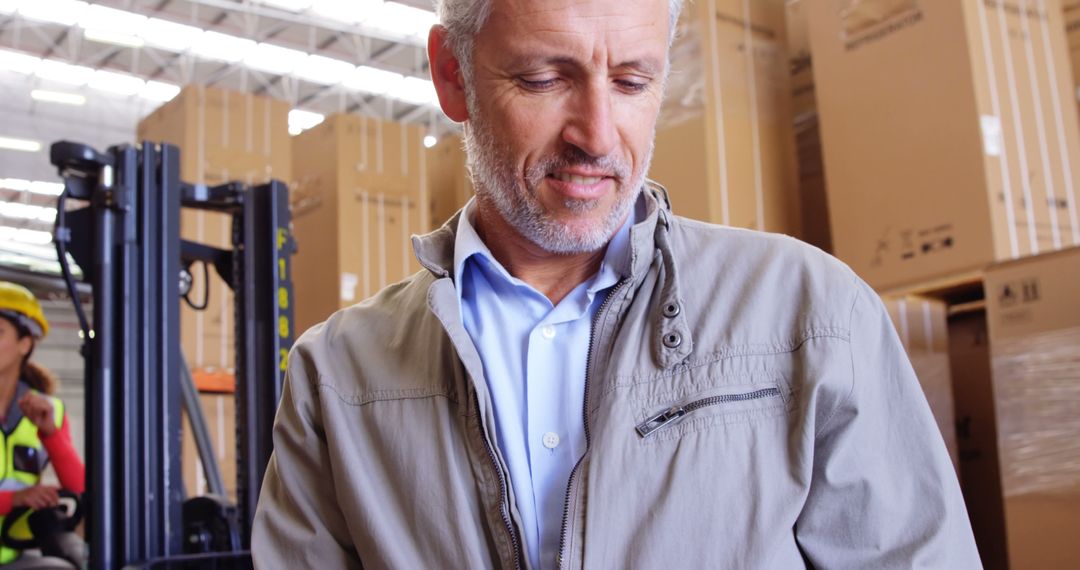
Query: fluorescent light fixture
[
  {"x": 63, "y": 12},
  {"x": 31, "y": 236},
  {"x": 170, "y": 35},
  {"x": 46, "y": 188},
  {"x": 19, "y": 144},
  {"x": 430, "y": 141},
  {"x": 304, "y": 120},
  {"x": 274, "y": 59},
  {"x": 399, "y": 19},
  {"x": 110, "y": 19},
  {"x": 159, "y": 91},
  {"x": 118, "y": 83},
  {"x": 416, "y": 91},
  {"x": 8, "y": 6},
  {"x": 112, "y": 37},
  {"x": 15, "y": 184},
  {"x": 18, "y": 62},
  {"x": 372, "y": 80},
  {"x": 290, "y": 5},
  {"x": 324, "y": 70},
  {"x": 58, "y": 97},
  {"x": 27, "y": 211},
  {"x": 223, "y": 47},
  {"x": 350, "y": 12},
  {"x": 64, "y": 72}
]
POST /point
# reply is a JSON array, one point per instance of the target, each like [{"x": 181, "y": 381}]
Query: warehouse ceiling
[{"x": 89, "y": 71}]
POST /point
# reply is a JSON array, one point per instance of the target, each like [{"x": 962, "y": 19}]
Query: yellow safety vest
[{"x": 19, "y": 447}]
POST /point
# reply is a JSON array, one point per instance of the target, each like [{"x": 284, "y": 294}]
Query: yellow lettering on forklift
[
  {"x": 281, "y": 268},
  {"x": 284, "y": 358},
  {"x": 281, "y": 237},
  {"x": 283, "y": 327},
  {"x": 283, "y": 298}
]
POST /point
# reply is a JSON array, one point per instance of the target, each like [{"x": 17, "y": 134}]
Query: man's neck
[{"x": 553, "y": 275}]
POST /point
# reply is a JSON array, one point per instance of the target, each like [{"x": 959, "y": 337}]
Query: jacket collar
[{"x": 435, "y": 250}]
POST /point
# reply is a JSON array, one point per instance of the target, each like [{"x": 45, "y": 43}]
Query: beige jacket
[{"x": 748, "y": 405}]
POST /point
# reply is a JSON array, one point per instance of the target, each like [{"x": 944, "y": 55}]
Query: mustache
[{"x": 572, "y": 156}]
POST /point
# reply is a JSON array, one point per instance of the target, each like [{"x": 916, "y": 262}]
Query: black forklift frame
[{"x": 127, "y": 241}]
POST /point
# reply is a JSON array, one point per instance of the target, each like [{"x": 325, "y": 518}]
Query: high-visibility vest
[{"x": 24, "y": 460}]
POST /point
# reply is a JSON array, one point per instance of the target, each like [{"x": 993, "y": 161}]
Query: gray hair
[{"x": 464, "y": 18}]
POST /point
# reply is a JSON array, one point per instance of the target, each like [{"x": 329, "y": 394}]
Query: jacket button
[
  {"x": 671, "y": 310},
  {"x": 672, "y": 340}
]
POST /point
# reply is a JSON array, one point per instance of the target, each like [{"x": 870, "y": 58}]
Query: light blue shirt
[{"x": 534, "y": 356}]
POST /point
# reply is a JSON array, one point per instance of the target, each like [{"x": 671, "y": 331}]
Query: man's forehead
[{"x": 611, "y": 14}]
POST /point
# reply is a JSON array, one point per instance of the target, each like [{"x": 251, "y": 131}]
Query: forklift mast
[{"x": 126, "y": 239}]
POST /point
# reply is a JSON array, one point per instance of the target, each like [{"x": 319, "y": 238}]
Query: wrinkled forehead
[{"x": 568, "y": 24}]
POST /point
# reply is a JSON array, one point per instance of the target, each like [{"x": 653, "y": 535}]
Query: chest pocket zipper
[{"x": 676, "y": 413}]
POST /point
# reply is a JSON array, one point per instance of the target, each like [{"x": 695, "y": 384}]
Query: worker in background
[
  {"x": 36, "y": 433},
  {"x": 579, "y": 378}
]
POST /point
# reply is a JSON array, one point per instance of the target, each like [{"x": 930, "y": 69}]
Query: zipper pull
[{"x": 663, "y": 419}]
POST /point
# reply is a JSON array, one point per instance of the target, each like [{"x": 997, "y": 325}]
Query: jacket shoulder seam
[
  {"x": 851, "y": 355},
  {"x": 365, "y": 398}
]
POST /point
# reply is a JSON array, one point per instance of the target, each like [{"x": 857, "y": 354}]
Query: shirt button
[
  {"x": 551, "y": 440},
  {"x": 548, "y": 331}
]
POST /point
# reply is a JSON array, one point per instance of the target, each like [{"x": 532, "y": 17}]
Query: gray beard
[{"x": 497, "y": 185}]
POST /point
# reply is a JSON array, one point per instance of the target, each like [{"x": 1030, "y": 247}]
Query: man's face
[{"x": 562, "y": 110}]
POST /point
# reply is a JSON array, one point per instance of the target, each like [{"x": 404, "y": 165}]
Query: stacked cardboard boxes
[
  {"x": 449, "y": 185},
  {"x": 949, "y": 133},
  {"x": 223, "y": 136},
  {"x": 724, "y": 148},
  {"x": 360, "y": 193}
]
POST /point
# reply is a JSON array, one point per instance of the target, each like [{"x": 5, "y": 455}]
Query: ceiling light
[
  {"x": 112, "y": 37},
  {"x": 223, "y": 47},
  {"x": 26, "y": 236},
  {"x": 416, "y": 91},
  {"x": 349, "y": 12},
  {"x": 8, "y": 6},
  {"x": 325, "y": 70},
  {"x": 58, "y": 97},
  {"x": 116, "y": 82},
  {"x": 430, "y": 141},
  {"x": 46, "y": 188},
  {"x": 63, "y": 12},
  {"x": 64, "y": 72},
  {"x": 27, "y": 211},
  {"x": 105, "y": 18},
  {"x": 274, "y": 59},
  {"x": 295, "y": 130},
  {"x": 19, "y": 144},
  {"x": 159, "y": 91},
  {"x": 372, "y": 80},
  {"x": 304, "y": 120},
  {"x": 15, "y": 184},
  {"x": 399, "y": 19},
  {"x": 18, "y": 62},
  {"x": 290, "y": 5},
  {"x": 170, "y": 35}
]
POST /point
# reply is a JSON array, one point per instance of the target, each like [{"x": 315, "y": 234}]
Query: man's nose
[{"x": 590, "y": 126}]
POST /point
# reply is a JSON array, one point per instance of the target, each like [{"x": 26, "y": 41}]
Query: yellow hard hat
[{"x": 20, "y": 305}]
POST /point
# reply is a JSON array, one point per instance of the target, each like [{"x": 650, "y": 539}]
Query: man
[{"x": 579, "y": 378}]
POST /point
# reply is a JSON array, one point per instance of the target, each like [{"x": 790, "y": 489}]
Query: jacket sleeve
[
  {"x": 65, "y": 460},
  {"x": 297, "y": 522},
  {"x": 884, "y": 493}
]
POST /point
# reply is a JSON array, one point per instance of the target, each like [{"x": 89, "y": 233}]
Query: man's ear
[{"x": 446, "y": 75}]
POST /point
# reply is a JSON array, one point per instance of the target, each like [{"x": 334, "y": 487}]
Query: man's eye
[
  {"x": 632, "y": 86},
  {"x": 538, "y": 84}
]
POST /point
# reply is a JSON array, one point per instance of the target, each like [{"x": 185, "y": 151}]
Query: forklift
[{"x": 124, "y": 234}]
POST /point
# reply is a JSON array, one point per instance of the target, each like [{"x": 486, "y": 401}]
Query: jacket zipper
[
  {"x": 585, "y": 417},
  {"x": 504, "y": 500},
  {"x": 676, "y": 413}
]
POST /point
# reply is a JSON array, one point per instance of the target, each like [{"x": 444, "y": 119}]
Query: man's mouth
[{"x": 576, "y": 179}]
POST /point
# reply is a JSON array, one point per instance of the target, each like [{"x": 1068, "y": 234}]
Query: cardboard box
[
  {"x": 921, "y": 323},
  {"x": 219, "y": 410},
  {"x": 360, "y": 193},
  {"x": 950, "y": 140},
  {"x": 449, "y": 185},
  {"x": 1033, "y": 311},
  {"x": 223, "y": 136},
  {"x": 1071, "y": 12},
  {"x": 724, "y": 147},
  {"x": 808, "y": 153}
]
